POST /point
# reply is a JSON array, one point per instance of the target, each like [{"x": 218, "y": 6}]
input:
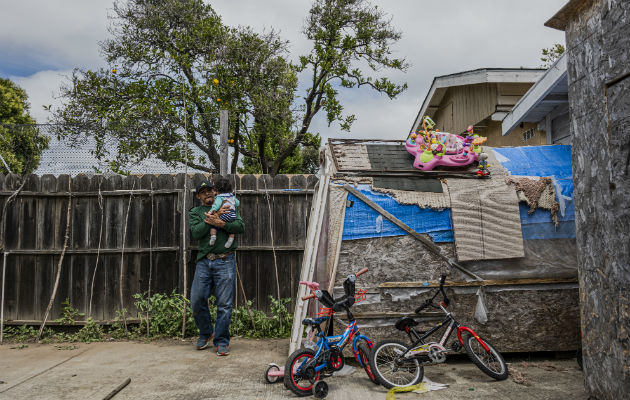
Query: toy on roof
[
  {"x": 483, "y": 165},
  {"x": 432, "y": 148}
]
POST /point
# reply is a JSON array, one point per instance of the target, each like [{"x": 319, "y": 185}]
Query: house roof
[
  {"x": 550, "y": 91},
  {"x": 483, "y": 75}
]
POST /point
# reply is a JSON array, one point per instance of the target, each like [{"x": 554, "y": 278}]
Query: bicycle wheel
[
  {"x": 294, "y": 378},
  {"x": 491, "y": 363},
  {"x": 364, "y": 356},
  {"x": 389, "y": 370}
]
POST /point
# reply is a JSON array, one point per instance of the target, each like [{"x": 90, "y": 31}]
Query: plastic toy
[
  {"x": 432, "y": 148},
  {"x": 483, "y": 165}
]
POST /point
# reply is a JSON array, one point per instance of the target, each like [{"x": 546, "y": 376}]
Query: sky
[{"x": 41, "y": 42}]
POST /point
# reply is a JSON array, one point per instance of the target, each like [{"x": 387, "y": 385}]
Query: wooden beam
[
  {"x": 333, "y": 274},
  {"x": 427, "y": 242},
  {"x": 391, "y": 314},
  {"x": 76, "y": 323},
  {"x": 350, "y": 141},
  {"x": 223, "y": 142},
  {"x": 316, "y": 217},
  {"x": 38, "y": 252},
  {"x": 485, "y": 282},
  {"x": 145, "y": 192}
]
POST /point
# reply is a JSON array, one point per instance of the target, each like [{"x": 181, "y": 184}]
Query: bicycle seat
[
  {"x": 315, "y": 321},
  {"x": 404, "y": 323}
]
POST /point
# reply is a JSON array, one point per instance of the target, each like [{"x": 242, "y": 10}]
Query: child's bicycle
[
  {"x": 303, "y": 368},
  {"x": 397, "y": 364}
]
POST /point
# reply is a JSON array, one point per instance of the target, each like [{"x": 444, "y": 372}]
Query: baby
[{"x": 225, "y": 195}]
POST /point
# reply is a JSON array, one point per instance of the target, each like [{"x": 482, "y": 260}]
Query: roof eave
[{"x": 535, "y": 95}]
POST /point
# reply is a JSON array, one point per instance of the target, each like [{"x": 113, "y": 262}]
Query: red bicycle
[{"x": 395, "y": 364}]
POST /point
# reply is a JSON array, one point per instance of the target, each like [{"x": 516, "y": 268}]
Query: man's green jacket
[{"x": 201, "y": 232}]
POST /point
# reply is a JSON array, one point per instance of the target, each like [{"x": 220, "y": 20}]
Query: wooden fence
[{"x": 135, "y": 223}]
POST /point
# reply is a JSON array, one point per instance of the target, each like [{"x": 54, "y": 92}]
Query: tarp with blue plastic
[{"x": 361, "y": 221}]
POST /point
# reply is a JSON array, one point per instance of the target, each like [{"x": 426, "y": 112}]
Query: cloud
[
  {"x": 42, "y": 89},
  {"x": 45, "y": 40},
  {"x": 39, "y": 35}
]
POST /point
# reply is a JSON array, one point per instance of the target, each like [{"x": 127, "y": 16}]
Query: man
[{"x": 215, "y": 270}]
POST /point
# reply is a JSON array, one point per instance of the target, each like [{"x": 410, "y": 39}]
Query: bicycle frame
[
  {"x": 452, "y": 324},
  {"x": 325, "y": 343}
]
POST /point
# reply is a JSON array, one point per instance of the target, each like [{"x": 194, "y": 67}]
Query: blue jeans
[{"x": 218, "y": 276}]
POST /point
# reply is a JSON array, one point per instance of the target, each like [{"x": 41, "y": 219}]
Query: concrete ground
[{"x": 175, "y": 370}]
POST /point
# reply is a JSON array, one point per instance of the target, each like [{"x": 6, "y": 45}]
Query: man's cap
[{"x": 204, "y": 184}]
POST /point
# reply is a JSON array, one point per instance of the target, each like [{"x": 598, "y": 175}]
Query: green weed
[
  {"x": 90, "y": 332},
  {"x": 165, "y": 312},
  {"x": 22, "y": 333},
  {"x": 69, "y": 314}
]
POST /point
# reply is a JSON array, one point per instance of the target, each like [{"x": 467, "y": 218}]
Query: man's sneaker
[
  {"x": 203, "y": 343},
  {"x": 223, "y": 350}
]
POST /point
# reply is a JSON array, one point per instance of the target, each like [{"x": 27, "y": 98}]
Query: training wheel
[
  {"x": 320, "y": 390},
  {"x": 272, "y": 375}
]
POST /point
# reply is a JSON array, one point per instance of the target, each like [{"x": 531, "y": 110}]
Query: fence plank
[{"x": 79, "y": 239}]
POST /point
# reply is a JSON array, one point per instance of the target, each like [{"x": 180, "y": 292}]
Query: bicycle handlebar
[
  {"x": 311, "y": 285},
  {"x": 310, "y": 296},
  {"x": 423, "y": 306},
  {"x": 429, "y": 302},
  {"x": 314, "y": 286}
]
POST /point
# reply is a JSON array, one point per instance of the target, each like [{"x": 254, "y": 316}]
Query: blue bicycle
[{"x": 303, "y": 368}]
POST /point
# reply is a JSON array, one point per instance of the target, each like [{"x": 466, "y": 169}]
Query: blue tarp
[
  {"x": 362, "y": 221},
  {"x": 552, "y": 161}
]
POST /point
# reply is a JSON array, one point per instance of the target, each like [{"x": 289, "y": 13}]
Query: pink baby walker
[{"x": 432, "y": 148}]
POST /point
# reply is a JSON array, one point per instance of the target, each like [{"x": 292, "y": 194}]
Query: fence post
[{"x": 223, "y": 142}]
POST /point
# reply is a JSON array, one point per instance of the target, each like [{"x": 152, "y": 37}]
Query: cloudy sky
[{"x": 42, "y": 41}]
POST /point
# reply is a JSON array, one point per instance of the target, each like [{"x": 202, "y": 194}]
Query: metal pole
[
  {"x": 223, "y": 142},
  {"x": 5, "y": 164},
  {"x": 4, "y": 268}
]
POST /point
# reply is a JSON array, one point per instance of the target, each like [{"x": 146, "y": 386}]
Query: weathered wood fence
[{"x": 147, "y": 212}]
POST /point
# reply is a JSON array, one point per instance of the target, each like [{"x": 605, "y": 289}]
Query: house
[
  {"x": 546, "y": 104},
  {"x": 482, "y": 98}
]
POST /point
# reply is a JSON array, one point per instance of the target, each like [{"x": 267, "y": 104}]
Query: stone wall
[{"x": 598, "y": 50}]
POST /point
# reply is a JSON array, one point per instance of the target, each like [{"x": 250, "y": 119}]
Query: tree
[
  {"x": 349, "y": 37},
  {"x": 161, "y": 91},
  {"x": 550, "y": 55},
  {"x": 260, "y": 90},
  {"x": 173, "y": 65},
  {"x": 21, "y": 145}
]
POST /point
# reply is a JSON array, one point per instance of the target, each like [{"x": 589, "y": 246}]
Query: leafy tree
[
  {"x": 551, "y": 54},
  {"x": 173, "y": 65},
  {"x": 260, "y": 89},
  {"x": 160, "y": 91},
  {"x": 21, "y": 145},
  {"x": 349, "y": 37}
]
